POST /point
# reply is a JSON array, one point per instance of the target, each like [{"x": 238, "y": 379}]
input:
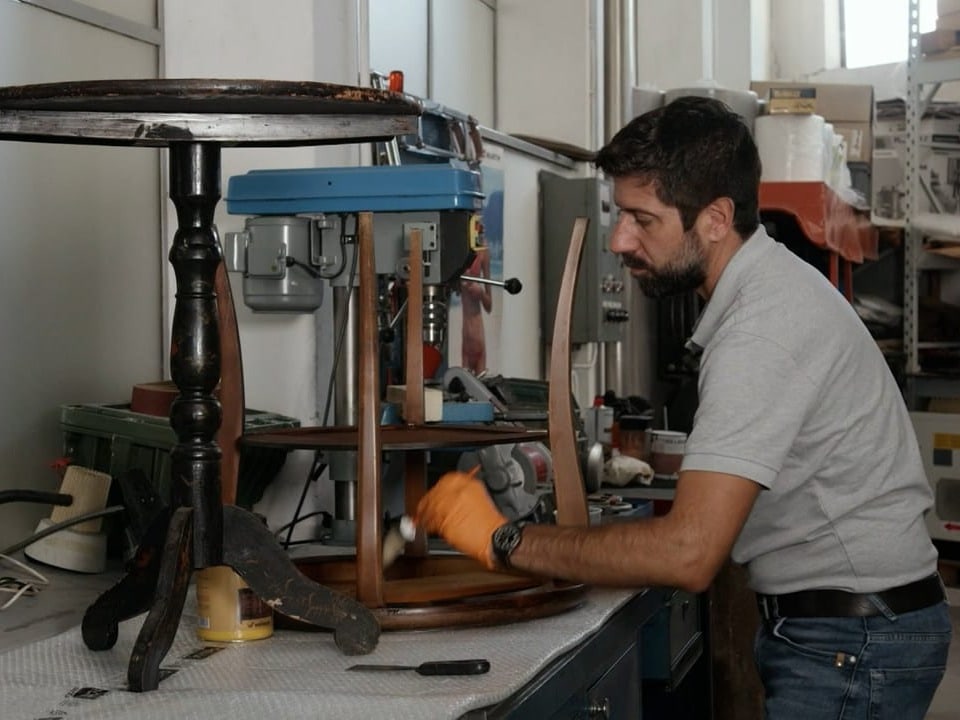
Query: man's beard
[{"x": 684, "y": 273}]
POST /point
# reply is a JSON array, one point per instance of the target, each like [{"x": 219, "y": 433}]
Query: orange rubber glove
[{"x": 459, "y": 509}]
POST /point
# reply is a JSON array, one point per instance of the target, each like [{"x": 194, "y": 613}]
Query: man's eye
[{"x": 636, "y": 218}]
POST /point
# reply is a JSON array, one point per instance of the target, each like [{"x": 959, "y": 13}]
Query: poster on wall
[{"x": 476, "y": 309}]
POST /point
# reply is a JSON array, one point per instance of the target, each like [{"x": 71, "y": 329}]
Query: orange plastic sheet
[{"x": 826, "y": 219}]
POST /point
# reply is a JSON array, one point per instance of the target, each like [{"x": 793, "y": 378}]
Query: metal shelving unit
[{"x": 924, "y": 78}]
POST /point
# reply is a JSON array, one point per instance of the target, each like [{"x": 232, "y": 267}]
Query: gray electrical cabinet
[{"x": 599, "y": 307}]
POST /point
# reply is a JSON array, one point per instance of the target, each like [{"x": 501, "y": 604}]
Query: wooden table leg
[
  {"x": 414, "y": 412},
  {"x": 369, "y": 448},
  {"x": 568, "y": 480},
  {"x": 251, "y": 550},
  {"x": 159, "y": 629},
  {"x": 132, "y": 595}
]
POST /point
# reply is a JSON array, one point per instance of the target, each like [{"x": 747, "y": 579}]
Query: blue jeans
[{"x": 885, "y": 667}]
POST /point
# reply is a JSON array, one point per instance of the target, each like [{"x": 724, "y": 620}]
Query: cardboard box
[
  {"x": 859, "y": 138},
  {"x": 950, "y": 21},
  {"x": 849, "y": 108},
  {"x": 793, "y": 101},
  {"x": 947, "y": 7},
  {"x": 834, "y": 101},
  {"x": 937, "y": 41}
]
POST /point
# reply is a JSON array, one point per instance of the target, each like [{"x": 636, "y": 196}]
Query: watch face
[{"x": 505, "y": 540}]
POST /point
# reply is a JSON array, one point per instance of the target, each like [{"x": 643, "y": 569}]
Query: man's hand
[{"x": 459, "y": 509}]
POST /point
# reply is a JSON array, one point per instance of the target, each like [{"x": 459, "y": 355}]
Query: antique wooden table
[{"x": 195, "y": 118}]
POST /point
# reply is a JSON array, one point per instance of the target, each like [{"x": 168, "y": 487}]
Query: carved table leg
[
  {"x": 156, "y": 635},
  {"x": 252, "y": 551},
  {"x": 195, "y": 344},
  {"x": 196, "y": 536},
  {"x": 132, "y": 595}
]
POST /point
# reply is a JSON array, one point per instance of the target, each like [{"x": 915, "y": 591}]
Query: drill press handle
[{"x": 512, "y": 286}]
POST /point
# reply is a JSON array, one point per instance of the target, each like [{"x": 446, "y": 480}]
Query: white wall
[
  {"x": 805, "y": 38},
  {"x": 141, "y": 11},
  {"x": 518, "y": 352},
  {"x": 549, "y": 72},
  {"x": 673, "y": 52},
  {"x": 445, "y": 49},
  {"x": 399, "y": 31},
  {"x": 462, "y": 57},
  {"x": 79, "y": 258}
]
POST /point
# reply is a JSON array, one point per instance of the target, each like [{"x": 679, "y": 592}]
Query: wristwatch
[{"x": 505, "y": 540}]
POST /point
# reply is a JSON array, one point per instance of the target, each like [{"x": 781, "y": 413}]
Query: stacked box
[
  {"x": 849, "y": 108},
  {"x": 113, "y": 439}
]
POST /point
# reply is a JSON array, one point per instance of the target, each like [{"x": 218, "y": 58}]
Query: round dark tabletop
[
  {"x": 157, "y": 112},
  {"x": 191, "y": 95}
]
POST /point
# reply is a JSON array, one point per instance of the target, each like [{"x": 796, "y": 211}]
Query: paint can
[
  {"x": 228, "y": 610},
  {"x": 666, "y": 452}
]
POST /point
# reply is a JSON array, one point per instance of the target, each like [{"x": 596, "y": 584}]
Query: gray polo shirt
[{"x": 796, "y": 396}]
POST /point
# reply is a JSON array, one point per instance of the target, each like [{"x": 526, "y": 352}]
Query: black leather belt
[{"x": 838, "y": 603}]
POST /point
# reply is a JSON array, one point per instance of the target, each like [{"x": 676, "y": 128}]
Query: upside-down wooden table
[{"x": 195, "y": 119}]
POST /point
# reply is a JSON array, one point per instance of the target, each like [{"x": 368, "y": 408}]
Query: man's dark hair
[{"x": 694, "y": 150}]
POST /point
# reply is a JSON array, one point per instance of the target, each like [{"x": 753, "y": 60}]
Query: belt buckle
[{"x": 768, "y": 607}]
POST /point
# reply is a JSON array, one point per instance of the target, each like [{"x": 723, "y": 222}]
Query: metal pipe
[
  {"x": 613, "y": 368},
  {"x": 628, "y": 58},
  {"x": 611, "y": 79},
  {"x": 343, "y": 465},
  {"x": 345, "y": 396},
  {"x": 620, "y": 48},
  {"x": 706, "y": 38},
  {"x": 620, "y": 53}
]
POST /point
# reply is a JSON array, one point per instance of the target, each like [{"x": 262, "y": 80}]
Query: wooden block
[
  {"x": 432, "y": 401},
  {"x": 89, "y": 489},
  {"x": 945, "y": 250}
]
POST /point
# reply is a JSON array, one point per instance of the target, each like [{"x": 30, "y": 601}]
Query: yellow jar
[{"x": 228, "y": 610}]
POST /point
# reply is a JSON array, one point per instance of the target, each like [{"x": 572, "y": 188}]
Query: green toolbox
[{"x": 114, "y": 439}]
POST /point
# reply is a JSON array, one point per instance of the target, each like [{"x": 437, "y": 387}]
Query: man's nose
[{"x": 620, "y": 238}]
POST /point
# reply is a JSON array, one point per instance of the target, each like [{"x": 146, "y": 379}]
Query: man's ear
[{"x": 716, "y": 219}]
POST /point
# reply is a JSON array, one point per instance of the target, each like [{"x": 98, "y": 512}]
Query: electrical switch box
[{"x": 600, "y": 303}]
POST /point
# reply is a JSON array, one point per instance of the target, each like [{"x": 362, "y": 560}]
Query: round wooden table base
[{"x": 438, "y": 591}]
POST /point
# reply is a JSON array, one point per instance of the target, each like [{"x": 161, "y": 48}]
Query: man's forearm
[{"x": 636, "y": 553}]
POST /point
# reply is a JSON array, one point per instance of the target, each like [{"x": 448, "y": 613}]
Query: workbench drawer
[
  {"x": 673, "y": 640},
  {"x": 614, "y": 696}
]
